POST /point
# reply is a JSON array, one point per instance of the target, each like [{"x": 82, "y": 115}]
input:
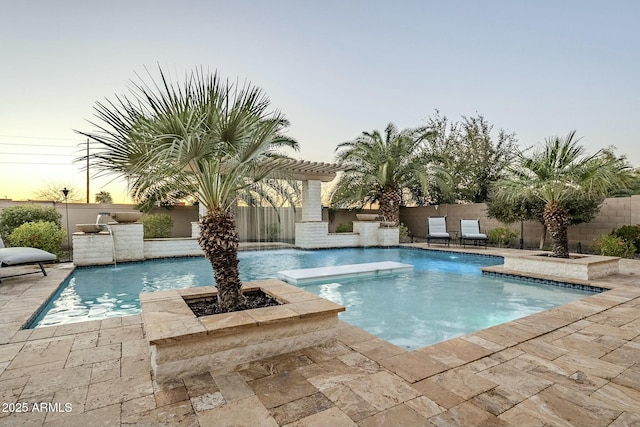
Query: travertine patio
[{"x": 575, "y": 365}]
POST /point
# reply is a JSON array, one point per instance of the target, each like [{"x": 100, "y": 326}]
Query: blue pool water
[{"x": 445, "y": 295}]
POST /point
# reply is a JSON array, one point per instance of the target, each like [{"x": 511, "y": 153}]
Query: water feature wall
[
  {"x": 126, "y": 243},
  {"x": 312, "y": 235}
]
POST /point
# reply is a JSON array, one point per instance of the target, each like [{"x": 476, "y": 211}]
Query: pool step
[{"x": 308, "y": 275}]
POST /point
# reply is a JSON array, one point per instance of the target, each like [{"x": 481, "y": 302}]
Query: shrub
[
  {"x": 42, "y": 235},
  {"x": 629, "y": 233},
  {"x": 404, "y": 233},
  {"x": 157, "y": 226},
  {"x": 270, "y": 232},
  {"x": 501, "y": 236},
  {"x": 345, "y": 227},
  {"x": 609, "y": 245},
  {"x": 14, "y": 216}
]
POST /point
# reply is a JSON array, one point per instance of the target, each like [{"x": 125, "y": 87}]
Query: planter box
[
  {"x": 583, "y": 267},
  {"x": 182, "y": 344}
]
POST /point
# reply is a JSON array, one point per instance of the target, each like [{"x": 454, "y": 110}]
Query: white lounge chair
[
  {"x": 438, "y": 230},
  {"x": 10, "y": 257},
  {"x": 470, "y": 232}
]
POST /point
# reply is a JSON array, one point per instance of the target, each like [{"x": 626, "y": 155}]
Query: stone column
[{"x": 311, "y": 201}]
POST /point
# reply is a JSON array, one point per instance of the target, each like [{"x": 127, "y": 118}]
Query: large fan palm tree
[
  {"x": 207, "y": 138},
  {"x": 558, "y": 174},
  {"x": 381, "y": 168}
]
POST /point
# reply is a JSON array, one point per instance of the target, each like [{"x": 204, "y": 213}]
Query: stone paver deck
[{"x": 574, "y": 365}]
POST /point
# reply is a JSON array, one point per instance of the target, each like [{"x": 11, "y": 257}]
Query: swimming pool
[{"x": 446, "y": 295}]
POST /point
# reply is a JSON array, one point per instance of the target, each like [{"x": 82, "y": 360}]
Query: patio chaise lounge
[
  {"x": 438, "y": 230},
  {"x": 470, "y": 232},
  {"x": 10, "y": 257}
]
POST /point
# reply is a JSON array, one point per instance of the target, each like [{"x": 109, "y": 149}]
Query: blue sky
[{"x": 334, "y": 68}]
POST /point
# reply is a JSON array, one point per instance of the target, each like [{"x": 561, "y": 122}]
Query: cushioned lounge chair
[
  {"x": 438, "y": 230},
  {"x": 10, "y": 257},
  {"x": 470, "y": 232}
]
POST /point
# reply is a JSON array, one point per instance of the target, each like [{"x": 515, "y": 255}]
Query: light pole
[{"x": 65, "y": 192}]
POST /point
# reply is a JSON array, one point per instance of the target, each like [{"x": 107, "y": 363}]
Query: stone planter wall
[
  {"x": 182, "y": 344},
  {"x": 583, "y": 267}
]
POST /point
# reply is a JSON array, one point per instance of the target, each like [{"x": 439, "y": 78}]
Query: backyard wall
[
  {"x": 87, "y": 213},
  {"x": 253, "y": 222},
  {"x": 614, "y": 213}
]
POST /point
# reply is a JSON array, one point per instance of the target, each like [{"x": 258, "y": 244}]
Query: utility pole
[{"x": 88, "y": 200}]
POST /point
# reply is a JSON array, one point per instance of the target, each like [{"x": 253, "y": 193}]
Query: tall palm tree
[
  {"x": 384, "y": 169},
  {"x": 206, "y": 138},
  {"x": 559, "y": 174}
]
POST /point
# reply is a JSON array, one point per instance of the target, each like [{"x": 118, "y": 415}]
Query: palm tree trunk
[
  {"x": 390, "y": 205},
  {"x": 543, "y": 236},
  {"x": 219, "y": 240},
  {"x": 557, "y": 221}
]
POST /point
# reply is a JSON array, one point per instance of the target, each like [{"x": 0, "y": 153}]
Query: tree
[
  {"x": 384, "y": 169},
  {"x": 579, "y": 211},
  {"x": 559, "y": 174},
  {"x": 207, "y": 138},
  {"x": 472, "y": 153},
  {"x": 104, "y": 197},
  {"x": 52, "y": 192}
]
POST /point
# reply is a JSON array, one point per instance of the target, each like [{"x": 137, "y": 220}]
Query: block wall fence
[{"x": 614, "y": 213}]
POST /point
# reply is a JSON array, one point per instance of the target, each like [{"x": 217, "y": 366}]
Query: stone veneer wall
[
  {"x": 312, "y": 235},
  {"x": 92, "y": 249},
  {"x": 128, "y": 241},
  {"x": 167, "y": 248}
]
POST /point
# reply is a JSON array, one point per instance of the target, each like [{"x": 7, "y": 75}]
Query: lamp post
[
  {"x": 65, "y": 192},
  {"x": 521, "y": 234}
]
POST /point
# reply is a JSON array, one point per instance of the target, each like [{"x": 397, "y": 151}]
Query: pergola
[{"x": 312, "y": 174}]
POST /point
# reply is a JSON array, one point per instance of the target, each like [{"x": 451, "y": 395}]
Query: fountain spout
[{"x": 100, "y": 215}]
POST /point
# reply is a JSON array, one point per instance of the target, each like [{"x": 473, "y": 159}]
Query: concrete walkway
[{"x": 574, "y": 365}]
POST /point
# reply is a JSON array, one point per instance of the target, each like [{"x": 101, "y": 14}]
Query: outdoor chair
[
  {"x": 10, "y": 257},
  {"x": 438, "y": 230},
  {"x": 470, "y": 232}
]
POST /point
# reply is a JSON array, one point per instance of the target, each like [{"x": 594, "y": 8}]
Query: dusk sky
[{"x": 334, "y": 68}]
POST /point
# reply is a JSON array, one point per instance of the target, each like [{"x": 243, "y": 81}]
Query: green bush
[
  {"x": 14, "y": 216},
  {"x": 629, "y": 233},
  {"x": 157, "y": 226},
  {"x": 609, "y": 245},
  {"x": 404, "y": 233},
  {"x": 501, "y": 236},
  {"x": 270, "y": 232},
  {"x": 42, "y": 235},
  {"x": 345, "y": 227}
]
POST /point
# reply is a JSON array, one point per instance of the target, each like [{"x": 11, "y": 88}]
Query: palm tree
[
  {"x": 104, "y": 197},
  {"x": 559, "y": 175},
  {"x": 384, "y": 170},
  {"x": 207, "y": 138}
]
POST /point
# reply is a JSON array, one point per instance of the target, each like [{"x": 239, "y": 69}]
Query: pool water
[{"x": 445, "y": 296}]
